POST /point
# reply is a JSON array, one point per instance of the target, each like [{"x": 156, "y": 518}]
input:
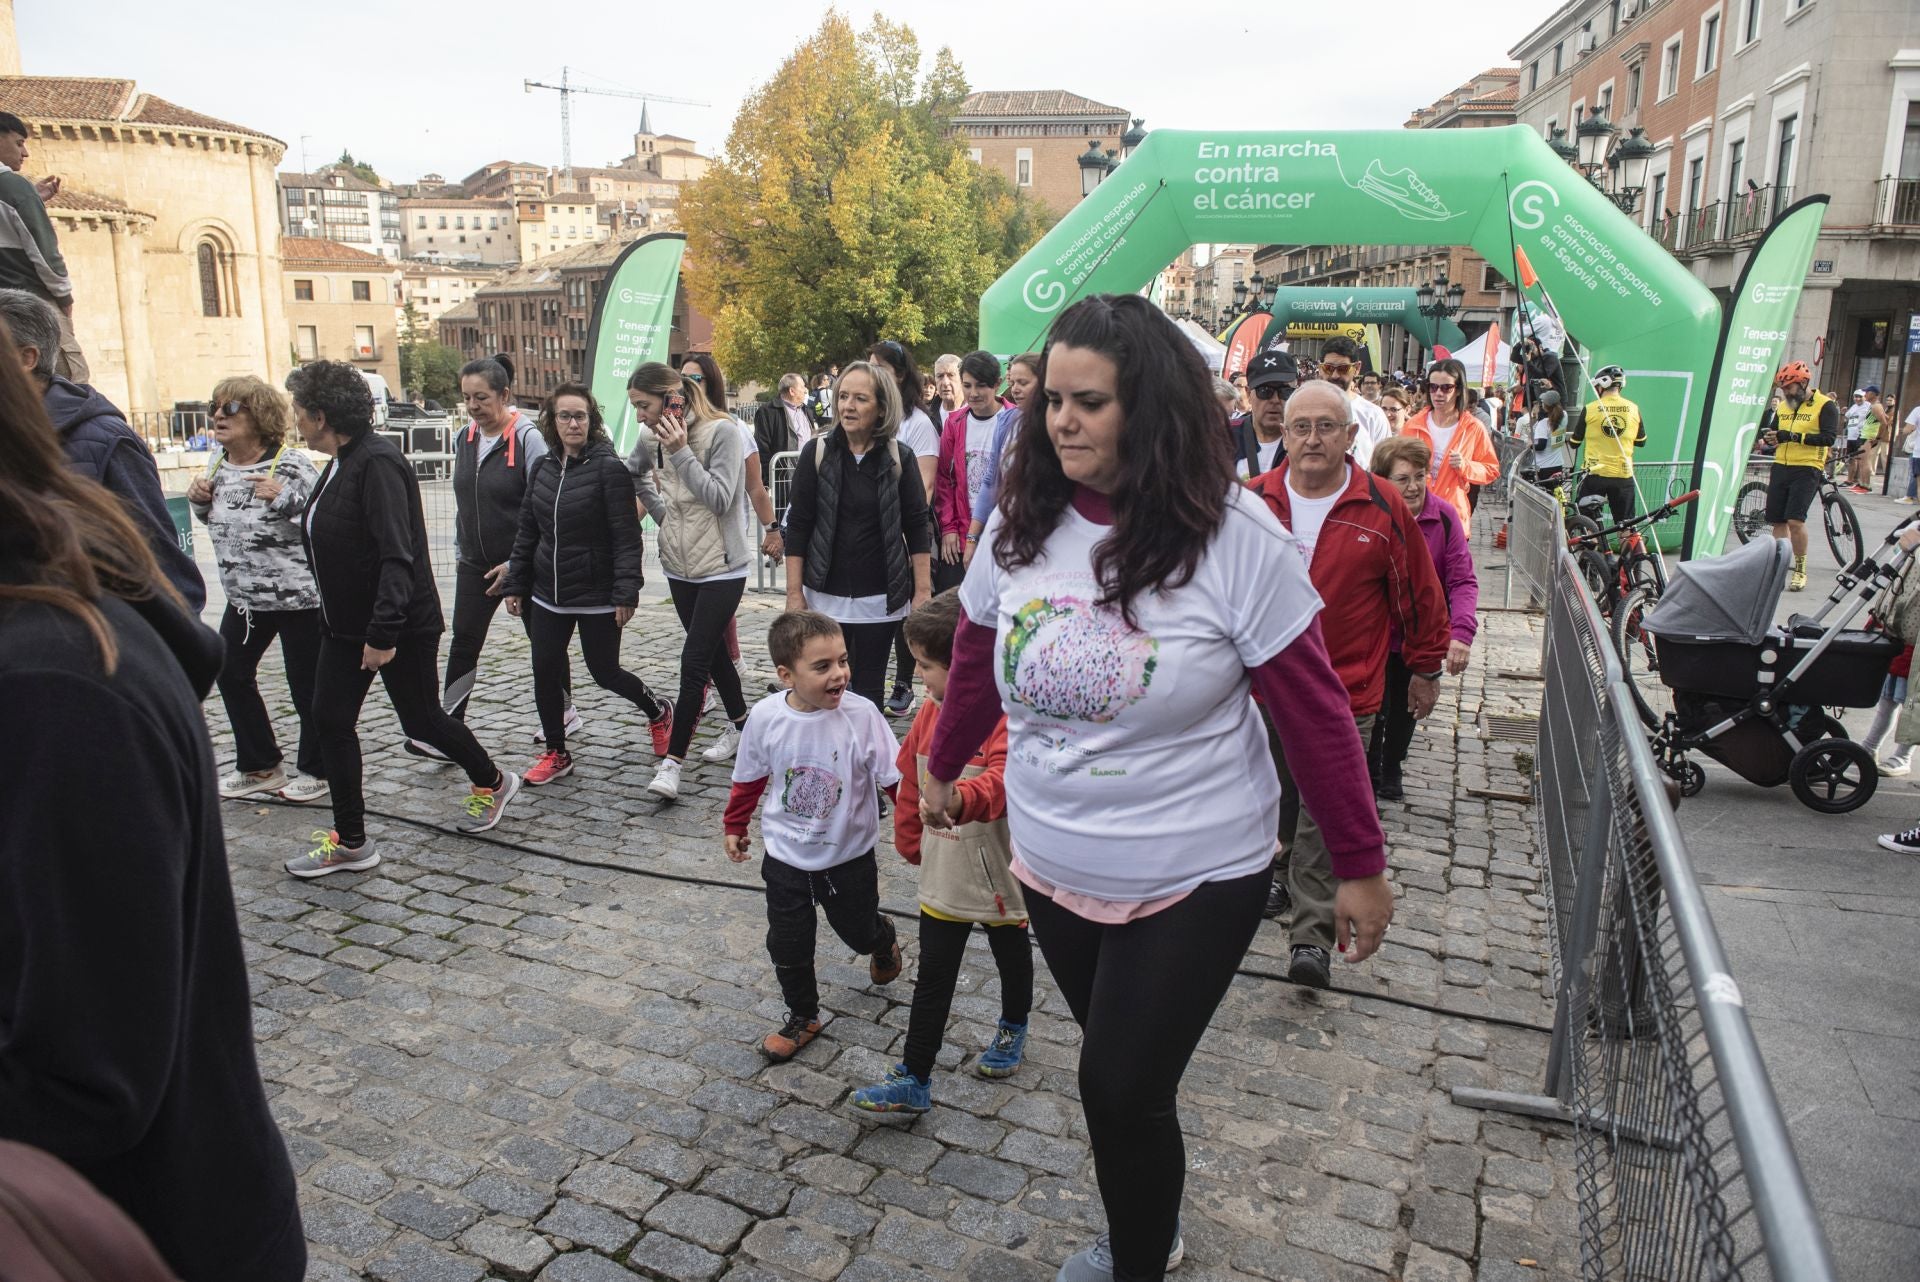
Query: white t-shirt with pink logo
[
  {"x": 1131, "y": 751},
  {"x": 823, "y": 770}
]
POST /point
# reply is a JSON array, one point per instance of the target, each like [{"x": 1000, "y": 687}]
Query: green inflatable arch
[
  {"x": 1621, "y": 294},
  {"x": 1321, "y": 305}
]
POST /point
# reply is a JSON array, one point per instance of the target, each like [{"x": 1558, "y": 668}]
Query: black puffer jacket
[
  {"x": 367, "y": 543},
  {"x": 579, "y": 539}
]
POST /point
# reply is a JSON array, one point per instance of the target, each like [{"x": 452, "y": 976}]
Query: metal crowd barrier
[
  {"x": 1511, "y": 450},
  {"x": 772, "y": 577},
  {"x": 1684, "y": 1168},
  {"x": 1534, "y": 539}
]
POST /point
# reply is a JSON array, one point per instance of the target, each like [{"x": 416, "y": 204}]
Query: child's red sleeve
[
  {"x": 906, "y": 810},
  {"x": 742, "y": 802},
  {"x": 983, "y": 797}
]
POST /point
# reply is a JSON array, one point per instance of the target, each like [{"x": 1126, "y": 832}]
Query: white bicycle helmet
[{"x": 1609, "y": 376}]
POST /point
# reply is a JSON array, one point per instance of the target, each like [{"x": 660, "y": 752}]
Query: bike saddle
[{"x": 1592, "y": 505}]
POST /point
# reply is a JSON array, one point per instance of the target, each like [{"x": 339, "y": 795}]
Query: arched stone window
[{"x": 213, "y": 262}]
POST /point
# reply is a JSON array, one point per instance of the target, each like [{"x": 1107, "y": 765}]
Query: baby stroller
[{"x": 1755, "y": 696}]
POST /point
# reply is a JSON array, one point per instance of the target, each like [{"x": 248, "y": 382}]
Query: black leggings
[
  {"x": 247, "y": 637},
  {"x": 705, "y": 610},
  {"x": 339, "y": 688},
  {"x": 848, "y": 893},
  {"x": 868, "y": 647},
  {"x": 1142, "y": 994},
  {"x": 472, "y": 615},
  {"x": 552, "y": 635},
  {"x": 942, "y": 944}
]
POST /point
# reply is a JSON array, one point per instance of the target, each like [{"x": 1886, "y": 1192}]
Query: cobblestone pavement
[{"x": 534, "y": 1055}]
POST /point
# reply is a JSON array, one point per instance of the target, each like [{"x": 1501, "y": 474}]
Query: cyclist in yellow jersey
[
  {"x": 1611, "y": 430},
  {"x": 1799, "y": 428}
]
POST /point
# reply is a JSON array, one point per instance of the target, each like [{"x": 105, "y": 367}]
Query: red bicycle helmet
[{"x": 1793, "y": 372}]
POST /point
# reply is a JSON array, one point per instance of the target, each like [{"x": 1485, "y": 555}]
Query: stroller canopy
[{"x": 1725, "y": 598}]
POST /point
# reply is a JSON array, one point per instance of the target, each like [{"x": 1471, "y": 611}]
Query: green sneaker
[{"x": 328, "y": 855}]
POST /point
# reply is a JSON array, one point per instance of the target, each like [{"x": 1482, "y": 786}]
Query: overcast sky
[{"x": 436, "y": 87}]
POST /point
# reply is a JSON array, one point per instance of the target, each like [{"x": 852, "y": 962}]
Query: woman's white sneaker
[
  {"x": 666, "y": 780},
  {"x": 304, "y": 789},
  {"x": 240, "y": 784},
  {"x": 723, "y": 747}
]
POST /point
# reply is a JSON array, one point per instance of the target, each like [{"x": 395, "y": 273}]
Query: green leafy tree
[
  {"x": 428, "y": 369},
  {"x": 843, "y": 211},
  {"x": 359, "y": 168}
]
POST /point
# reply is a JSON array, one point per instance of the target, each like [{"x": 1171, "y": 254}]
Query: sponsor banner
[{"x": 632, "y": 324}]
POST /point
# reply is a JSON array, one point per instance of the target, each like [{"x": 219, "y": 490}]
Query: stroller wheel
[
  {"x": 1833, "y": 776},
  {"x": 1693, "y": 777}
]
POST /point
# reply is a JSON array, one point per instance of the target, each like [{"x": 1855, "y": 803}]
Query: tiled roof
[
  {"x": 313, "y": 251},
  {"x": 74, "y": 200},
  {"x": 544, "y": 273},
  {"x": 1032, "y": 102},
  {"x": 103, "y": 99},
  {"x": 350, "y": 181}
]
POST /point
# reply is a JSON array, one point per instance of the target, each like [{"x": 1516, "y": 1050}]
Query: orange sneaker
[
  {"x": 661, "y": 728},
  {"x": 786, "y": 1041}
]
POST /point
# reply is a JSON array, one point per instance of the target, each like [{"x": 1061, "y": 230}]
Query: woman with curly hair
[
  {"x": 379, "y": 613},
  {"x": 1128, "y": 594},
  {"x": 250, "y": 501},
  {"x": 576, "y": 564}
]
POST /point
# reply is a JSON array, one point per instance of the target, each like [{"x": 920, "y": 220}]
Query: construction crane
[{"x": 566, "y": 90}]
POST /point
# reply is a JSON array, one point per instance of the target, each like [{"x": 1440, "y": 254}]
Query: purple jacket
[{"x": 1446, "y": 536}]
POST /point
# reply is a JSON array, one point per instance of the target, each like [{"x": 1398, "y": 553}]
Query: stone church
[{"x": 168, "y": 221}]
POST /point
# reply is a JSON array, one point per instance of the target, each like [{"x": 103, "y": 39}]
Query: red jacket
[
  {"x": 983, "y": 797},
  {"x": 951, "y": 500},
  {"x": 1372, "y": 569}
]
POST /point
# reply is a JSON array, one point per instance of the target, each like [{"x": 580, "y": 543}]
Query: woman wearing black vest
[
  {"x": 492, "y": 458},
  {"x": 577, "y": 556},
  {"x": 366, "y": 540},
  {"x": 858, "y": 532}
]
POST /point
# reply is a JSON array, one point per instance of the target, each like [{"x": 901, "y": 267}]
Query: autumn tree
[{"x": 843, "y": 211}]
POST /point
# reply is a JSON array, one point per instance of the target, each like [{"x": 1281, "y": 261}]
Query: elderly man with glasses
[{"x": 1369, "y": 563}]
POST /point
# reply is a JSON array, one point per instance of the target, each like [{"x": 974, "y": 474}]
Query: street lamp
[
  {"x": 1439, "y": 300},
  {"x": 1596, "y": 134},
  {"x": 1132, "y": 138},
  {"x": 1557, "y": 140},
  {"x": 1634, "y": 157},
  {"x": 1239, "y": 296},
  {"x": 1093, "y": 167}
]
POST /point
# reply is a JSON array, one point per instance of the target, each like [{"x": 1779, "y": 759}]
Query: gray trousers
[
  {"x": 71, "y": 363},
  {"x": 1304, "y": 859}
]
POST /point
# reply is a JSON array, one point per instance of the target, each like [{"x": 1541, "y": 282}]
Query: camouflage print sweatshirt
[{"x": 263, "y": 565}]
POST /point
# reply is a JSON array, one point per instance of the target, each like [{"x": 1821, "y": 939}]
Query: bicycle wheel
[
  {"x": 1651, "y": 699},
  {"x": 1843, "y": 529},
  {"x": 1750, "y": 512},
  {"x": 1599, "y": 577},
  {"x": 1580, "y": 527}
]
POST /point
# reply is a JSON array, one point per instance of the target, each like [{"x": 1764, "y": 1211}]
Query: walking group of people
[{"x": 1137, "y": 599}]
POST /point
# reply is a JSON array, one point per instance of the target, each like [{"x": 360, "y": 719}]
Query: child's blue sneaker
[
  {"x": 1003, "y": 1055},
  {"x": 901, "y": 1092}
]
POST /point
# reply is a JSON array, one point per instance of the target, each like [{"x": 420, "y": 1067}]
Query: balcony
[
  {"x": 1749, "y": 214},
  {"x": 1702, "y": 226},
  {"x": 1897, "y": 202},
  {"x": 1666, "y": 231},
  {"x": 359, "y": 353}
]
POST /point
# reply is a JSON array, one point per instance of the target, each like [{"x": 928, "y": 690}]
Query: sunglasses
[
  {"x": 695, "y": 377},
  {"x": 1267, "y": 391},
  {"x": 1436, "y": 388},
  {"x": 1328, "y": 367},
  {"x": 229, "y": 409}
]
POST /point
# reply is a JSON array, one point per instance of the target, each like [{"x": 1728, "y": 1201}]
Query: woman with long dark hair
[
  {"x": 858, "y": 534},
  {"x": 576, "y": 565},
  {"x": 1129, "y": 593},
  {"x": 129, "y": 1026},
  {"x": 366, "y": 540},
  {"x": 920, "y": 434},
  {"x": 1463, "y": 453},
  {"x": 689, "y": 469}
]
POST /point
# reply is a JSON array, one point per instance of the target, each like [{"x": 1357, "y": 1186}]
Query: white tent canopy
[
  {"x": 1211, "y": 349},
  {"x": 1474, "y": 357}
]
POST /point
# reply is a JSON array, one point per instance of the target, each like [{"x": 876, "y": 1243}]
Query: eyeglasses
[
  {"x": 573, "y": 416},
  {"x": 1322, "y": 427},
  {"x": 229, "y": 409},
  {"x": 1435, "y": 389},
  {"x": 1267, "y": 391}
]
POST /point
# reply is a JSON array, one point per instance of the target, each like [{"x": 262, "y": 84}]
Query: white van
[{"x": 381, "y": 397}]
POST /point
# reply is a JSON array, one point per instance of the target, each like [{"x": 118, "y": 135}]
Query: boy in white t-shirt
[{"x": 829, "y": 752}]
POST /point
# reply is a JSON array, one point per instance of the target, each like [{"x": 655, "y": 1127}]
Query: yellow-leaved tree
[{"x": 842, "y": 212}]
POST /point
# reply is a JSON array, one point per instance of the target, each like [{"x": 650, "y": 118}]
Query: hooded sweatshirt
[{"x": 101, "y": 447}]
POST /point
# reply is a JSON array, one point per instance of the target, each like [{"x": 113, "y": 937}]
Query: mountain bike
[
  {"x": 1632, "y": 579},
  {"x": 1837, "y": 519}
]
